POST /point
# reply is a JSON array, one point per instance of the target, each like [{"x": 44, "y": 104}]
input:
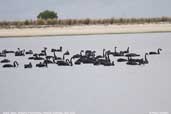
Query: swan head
[
  {"x": 66, "y": 53},
  {"x": 45, "y": 48},
  {"x": 60, "y": 48},
  {"x": 15, "y": 64},
  {"x": 160, "y": 49}
]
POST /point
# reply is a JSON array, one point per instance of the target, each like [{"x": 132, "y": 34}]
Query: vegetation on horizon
[
  {"x": 47, "y": 14},
  {"x": 66, "y": 22}
]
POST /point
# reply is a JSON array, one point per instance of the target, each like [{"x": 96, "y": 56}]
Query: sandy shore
[{"x": 85, "y": 30}]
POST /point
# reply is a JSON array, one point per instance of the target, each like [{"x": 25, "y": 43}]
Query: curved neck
[
  {"x": 158, "y": 51},
  {"x": 63, "y": 56},
  {"x": 14, "y": 64},
  {"x": 60, "y": 49},
  {"x": 103, "y": 52},
  {"x": 54, "y": 54},
  {"x": 81, "y": 53},
  {"x": 107, "y": 56},
  {"x": 71, "y": 61},
  {"x": 146, "y": 57},
  {"x": 128, "y": 49},
  {"x": 115, "y": 49}
]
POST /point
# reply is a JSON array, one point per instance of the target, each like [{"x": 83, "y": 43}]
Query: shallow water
[{"x": 88, "y": 89}]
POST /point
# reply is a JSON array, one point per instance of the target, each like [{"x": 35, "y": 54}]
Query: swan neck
[{"x": 103, "y": 52}]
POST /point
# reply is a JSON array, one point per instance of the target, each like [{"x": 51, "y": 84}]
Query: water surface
[{"x": 89, "y": 89}]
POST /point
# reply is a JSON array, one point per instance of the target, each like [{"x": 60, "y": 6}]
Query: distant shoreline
[{"x": 85, "y": 30}]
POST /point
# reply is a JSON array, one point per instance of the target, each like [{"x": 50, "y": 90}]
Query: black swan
[
  {"x": 132, "y": 55},
  {"x": 3, "y": 55},
  {"x": 49, "y": 61},
  {"x": 29, "y": 52},
  {"x": 60, "y": 49},
  {"x": 139, "y": 61},
  {"x": 20, "y": 52},
  {"x": 43, "y": 52},
  {"x": 101, "y": 56},
  {"x": 122, "y": 60},
  {"x": 88, "y": 58},
  {"x": 6, "y": 51},
  {"x": 115, "y": 53},
  {"x": 154, "y": 53},
  {"x": 123, "y": 52},
  {"x": 55, "y": 57},
  {"x": 89, "y": 53},
  {"x": 5, "y": 61},
  {"x": 36, "y": 57},
  {"x": 15, "y": 64},
  {"x": 28, "y": 65},
  {"x": 66, "y": 62},
  {"x": 42, "y": 64},
  {"x": 49, "y": 57},
  {"x": 77, "y": 55},
  {"x": 57, "y": 50},
  {"x": 132, "y": 63},
  {"x": 144, "y": 61},
  {"x": 104, "y": 61},
  {"x": 66, "y": 53}
]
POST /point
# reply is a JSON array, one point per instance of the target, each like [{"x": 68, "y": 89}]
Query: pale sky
[{"x": 28, "y": 9}]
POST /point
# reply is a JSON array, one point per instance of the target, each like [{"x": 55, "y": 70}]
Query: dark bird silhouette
[
  {"x": 49, "y": 57},
  {"x": 123, "y": 52},
  {"x": 57, "y": 50},
  {"x": 36, "y": 57},
  {"x": 132, "y": 63},
  {"x": 122, "y": 60},
  {"x": 144, "y": 61},
  {"x": 50, "y": 61},
  {"x": 66, "y": 53},
  {"x": 15, "y": 64},
  {"x": 66, "y": 62},
  {"x": 42, "y": 64},
  {"x": 139, "y": 61},
  {"x": 88, "y": 58},
  {"x": 132, "y": 55},
  {"x": 3, "y": 54},
  {"x": 28, "y": 65},
  {"x": 6, "y": 51},
  {"x": 154, "y": 53},
  {"x": 55, "y": 56},
  {"x": 20, "y": 52},
  {"x": 78, "y": 55},
  {"x": 115, "y": 53},
  {"x": 101, "y": 56},
  {"x": 5, "y": 61},
  {"x": 43, "y": 52},
  {"x": 104, "y": 61},
  {"x": 29, "y": 52}
]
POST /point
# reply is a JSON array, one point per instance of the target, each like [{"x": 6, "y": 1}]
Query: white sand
[{"x": 85, "y": 30}]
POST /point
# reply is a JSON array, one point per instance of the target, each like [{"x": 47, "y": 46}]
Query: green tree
[{"x": 47, "y": 15}]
